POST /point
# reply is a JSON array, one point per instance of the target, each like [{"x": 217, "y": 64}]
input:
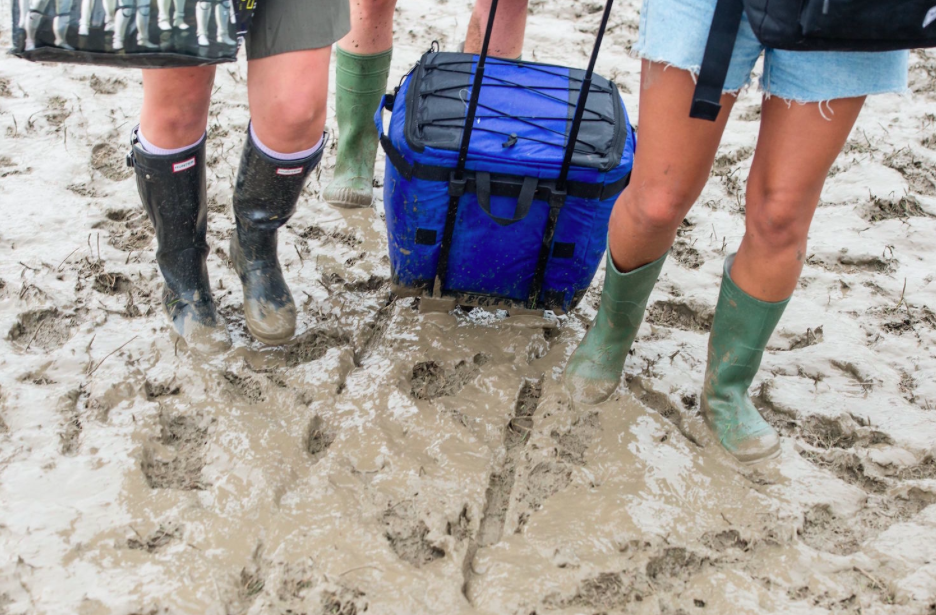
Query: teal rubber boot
[
  {"x": 360, "y": 83},
  {"x": 740, "y": 332},
  {"x": 594, "y": 371}
]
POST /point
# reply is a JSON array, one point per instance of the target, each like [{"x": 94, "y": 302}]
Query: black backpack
[{"x": 810, "y": 25}]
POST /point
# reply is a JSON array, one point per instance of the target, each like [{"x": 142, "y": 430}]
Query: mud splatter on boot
[
  {"x": 594, "y": 371},
  {"x": 172, "y": 188},
  {"x": 265, "y": 198},
  {"x": 740, "y": 332}
]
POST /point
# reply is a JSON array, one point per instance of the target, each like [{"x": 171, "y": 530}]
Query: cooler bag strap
[
  {"x": 524, "y": 201},
  {"x": 706, "y": 101},
  {"x": 557, "y": 199},
  {"x": 457, "y": 182}
]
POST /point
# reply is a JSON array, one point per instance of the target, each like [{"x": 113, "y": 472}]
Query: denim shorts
[{"x": 674, "y": 32}]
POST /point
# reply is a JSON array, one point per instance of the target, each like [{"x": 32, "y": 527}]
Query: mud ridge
[
  {"x": 157, "y": 539},
  {"x": 248, "y": 585},
  {"x": 313, "y": 345},
  {"x": 661, "y": 403},
  {"x": 890, "y": 208},
  {"x": 501, "y": 482},
  {"x": 920, "y": 175},
  {"x": 687, "y": 316},
  {"x": 70, "y": 434},
  {"x": 318, "y": 438},
  {"x": 374, "y": 333},
  {"x": 430, "y": 380},
  {"x": 129, "y": 229}
]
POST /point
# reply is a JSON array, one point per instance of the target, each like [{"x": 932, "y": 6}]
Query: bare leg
[
  {"x": 509, "y": 28},
  {"x": 671, "y": 167},
  {"x": 175, "y": 105},
  {"x": 371, "y": 27},
  {"x": 287, "y": 95},
  {"x": 795, "y": 150},
  {"x": 172, "y": 189}
]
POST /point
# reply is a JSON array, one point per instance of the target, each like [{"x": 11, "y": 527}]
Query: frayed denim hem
[{"x": 693, "y": 69}]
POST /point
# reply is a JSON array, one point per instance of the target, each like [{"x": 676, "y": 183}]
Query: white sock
[
  {"x": 280, "y": 155},
  {"x": 159, "y": 151}
]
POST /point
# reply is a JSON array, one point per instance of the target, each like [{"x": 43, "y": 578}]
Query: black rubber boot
[
  {"x": 172, "y": 189},
  {"x": 264, "y": 199}
]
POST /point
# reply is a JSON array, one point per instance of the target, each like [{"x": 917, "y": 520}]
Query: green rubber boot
[
  {"x": 361, "y": 81},
  {"x": 594, "y": 371},
  {"x": 740, "y": 332}
]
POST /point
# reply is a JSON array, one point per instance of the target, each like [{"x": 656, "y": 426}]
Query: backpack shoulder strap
[{"x": 706, "y": 101}]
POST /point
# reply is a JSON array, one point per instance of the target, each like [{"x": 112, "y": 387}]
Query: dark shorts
[{"x": 281, "y": 26}]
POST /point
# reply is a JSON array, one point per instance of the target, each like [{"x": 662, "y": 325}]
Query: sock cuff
[
  {"x": 149, "y": 148},
  {"x": 286, "y": 156}
]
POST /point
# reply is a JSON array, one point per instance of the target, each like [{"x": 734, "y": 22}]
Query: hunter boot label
[
  {"x": 184, "y": 165},
  {"x": 289, "y": 171}
]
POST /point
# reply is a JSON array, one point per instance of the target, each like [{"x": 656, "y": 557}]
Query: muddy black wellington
[
  {"x": 740, "y": 332},
  {"x": 172, "y": 188},
  {"x": 265, "y": 197}
]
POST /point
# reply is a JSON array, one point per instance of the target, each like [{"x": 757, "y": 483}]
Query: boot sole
[
  {"x": 270, "y": 341},
  {"x": 349, "y": 199},
  {"x": 750, "y": 462}
]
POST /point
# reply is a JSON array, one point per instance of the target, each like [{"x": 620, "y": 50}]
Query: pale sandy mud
[{"x": 395, "y": 462}]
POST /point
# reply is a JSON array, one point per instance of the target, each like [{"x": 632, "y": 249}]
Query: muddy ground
[{"x": 390, "y": 461}]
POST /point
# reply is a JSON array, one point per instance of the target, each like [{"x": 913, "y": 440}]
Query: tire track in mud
[{"x": 501, "y": 482}]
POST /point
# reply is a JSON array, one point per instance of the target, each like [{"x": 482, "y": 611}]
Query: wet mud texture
[{"x": 388, "y": 461}]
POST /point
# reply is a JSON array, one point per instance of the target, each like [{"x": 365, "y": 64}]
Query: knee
[
  {"x": 294, "y": 123},
  {"x": 656, "y": 209},
  {"x": 775, "y": 218},
  {"x": 181, "y": 119}
]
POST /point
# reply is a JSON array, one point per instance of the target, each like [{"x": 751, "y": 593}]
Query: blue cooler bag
[{"x": 512, "y": 231}]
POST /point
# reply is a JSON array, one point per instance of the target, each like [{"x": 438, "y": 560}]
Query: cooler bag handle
[
  {"x": 524, "y": 201},
  {"x": 458, "y": 183},
  {"x": 706, "y": 101}
]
